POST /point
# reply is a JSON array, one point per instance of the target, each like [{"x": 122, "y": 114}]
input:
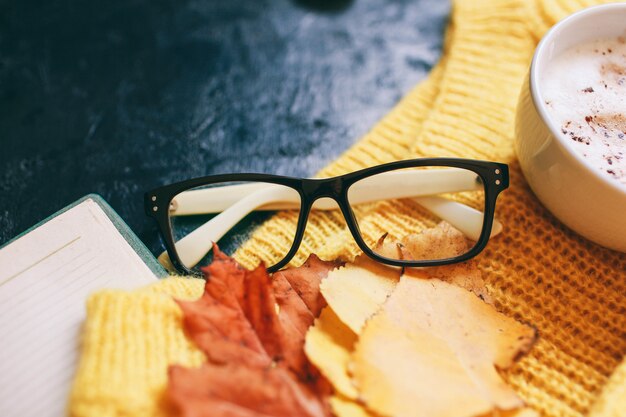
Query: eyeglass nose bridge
[
  {"x": 336, "y": 190},
  {"x": 315, "y": 189},
  {"x": 332, "y": 188}
]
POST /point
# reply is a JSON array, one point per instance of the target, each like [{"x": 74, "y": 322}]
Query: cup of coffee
[{"x": 570, "y": 133}]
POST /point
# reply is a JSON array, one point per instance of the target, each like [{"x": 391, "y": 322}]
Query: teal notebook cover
[{"x": 130, "y": 237}]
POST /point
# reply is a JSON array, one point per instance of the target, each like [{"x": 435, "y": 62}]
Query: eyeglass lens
[
  {"x": 227, "y": 213},
  {"x": 397, "y": 212}
]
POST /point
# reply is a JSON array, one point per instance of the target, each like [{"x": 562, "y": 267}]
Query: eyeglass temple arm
[
  {"x": 389, "y": 185},
  {"x": 237, "y": 201},
  {"x": 193, "y": 247}
]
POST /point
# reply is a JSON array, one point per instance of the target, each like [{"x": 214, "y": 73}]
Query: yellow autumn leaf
[
  {"x": 343, "y": 407},
  {"x": 329, "y": 344},
  {"x": 357, "y": 290},
  {"x": 433, "y": 349}
]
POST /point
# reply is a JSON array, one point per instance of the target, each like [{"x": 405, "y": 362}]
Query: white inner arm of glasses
[{"x": 234, "y": 202}]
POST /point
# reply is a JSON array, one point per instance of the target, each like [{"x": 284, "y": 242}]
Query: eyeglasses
[{"x": 194, "y": 214}]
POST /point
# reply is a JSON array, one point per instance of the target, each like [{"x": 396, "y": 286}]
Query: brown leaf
[
  {"x": 295, "y": 318},
  {"x": 306, "y": 281},
  {"x": 252, "y": 328},
  {"x": 440, "y": 242},
  {"x": 219, "y": 328},
  {"x": 226, "y": 270},
  {"x": 239, "y": 391},
  {"x": 292, "y": 310},
  {"x": 259, "y": 307},
  {"x": 465, "y": 275}
]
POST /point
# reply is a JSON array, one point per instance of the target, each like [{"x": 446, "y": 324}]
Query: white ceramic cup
[{"x": 577, "y": 193}]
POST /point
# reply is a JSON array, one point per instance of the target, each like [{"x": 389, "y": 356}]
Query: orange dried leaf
[
  {"x": 220, "y": 329},
  {"x": 236, "y": 390},
  {"x": 252, "y": 328},
  {"x": 259, "y": 307},
  {"x": 295, "y": 318},
  {"x": 226, "y": 270},
  {"x": 292, "y": 311},
  {"x": 306, "y": 279}
]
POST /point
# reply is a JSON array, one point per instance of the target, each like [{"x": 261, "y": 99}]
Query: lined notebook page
[{"x": 45, "y": 279}]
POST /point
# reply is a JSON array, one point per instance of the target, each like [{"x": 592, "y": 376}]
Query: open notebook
[{"x": 46, "y": 276}]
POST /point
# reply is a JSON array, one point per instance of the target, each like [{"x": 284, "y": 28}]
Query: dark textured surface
[{"x": 117, "y": 97}]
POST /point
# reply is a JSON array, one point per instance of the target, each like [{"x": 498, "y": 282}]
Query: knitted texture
[
  {"x": 538, "y": 271},
  {"x": 613, "y": 397},
  {"x": 129, "y": 340}
]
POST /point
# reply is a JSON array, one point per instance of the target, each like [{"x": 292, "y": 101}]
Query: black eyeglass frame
[{"x": 494, "y": 175}]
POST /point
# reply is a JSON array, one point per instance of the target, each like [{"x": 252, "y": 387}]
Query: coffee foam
[{"x": 584, "y": 90}]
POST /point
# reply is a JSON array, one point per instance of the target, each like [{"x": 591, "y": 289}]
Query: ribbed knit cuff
[{"x": 129, "y": 341}]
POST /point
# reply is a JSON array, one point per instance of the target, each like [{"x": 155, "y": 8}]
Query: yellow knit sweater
[{"x": 537, "y": 270}]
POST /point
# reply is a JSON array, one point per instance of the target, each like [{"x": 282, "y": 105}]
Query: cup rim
[{"x": 540, "y": 52}]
